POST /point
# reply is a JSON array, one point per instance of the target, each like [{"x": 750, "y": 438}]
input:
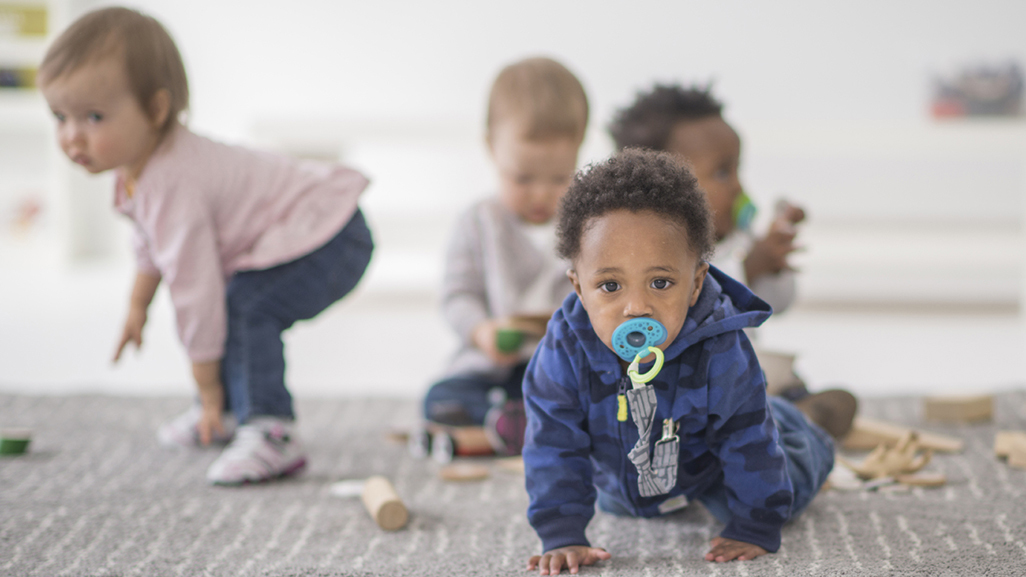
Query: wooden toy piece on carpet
[
  {"x": 958, "y": 408},
  {"x": 14, "y": 441},
  {"x": 902, "y": 459},
  {"x": 383, "y": 504},
  {"x": 1011, "y": 444},
  {"x": 379, "y": 498},
  {"x": 513, "y": 465},
  {"x": 922, "y": 479},
  {"x": 464, "y": 472},
  {"x": 867, "y": 434}
]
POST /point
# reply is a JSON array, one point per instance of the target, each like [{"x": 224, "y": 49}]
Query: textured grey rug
[{"x": 97, "y": 496}]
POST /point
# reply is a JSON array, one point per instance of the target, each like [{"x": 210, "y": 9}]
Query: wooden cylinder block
[
  {"x": 384, "y": 504},
  {"x": 959, "y": 408}
]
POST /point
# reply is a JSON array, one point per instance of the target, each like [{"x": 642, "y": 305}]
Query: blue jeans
[
  {"x": 263, "y": 303},
  {"x": 808, "y": 451},
  {"x": 464, "y": 400}
]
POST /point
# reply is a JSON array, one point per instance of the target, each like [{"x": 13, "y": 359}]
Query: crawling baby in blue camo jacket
[{"x": 638, "y": 232}]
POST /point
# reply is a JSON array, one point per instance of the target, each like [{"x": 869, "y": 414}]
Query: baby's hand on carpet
[
  {"x": 211, "y": 394},
  {"x": 724, "y": 550},
  {"x": 573, "y": 557}
]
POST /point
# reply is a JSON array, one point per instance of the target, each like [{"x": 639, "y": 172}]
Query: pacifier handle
[{"x": 633, "y": 373}]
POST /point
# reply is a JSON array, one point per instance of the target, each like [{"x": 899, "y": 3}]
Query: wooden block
[
  {"x": 1017, "y": 459},
  {"x": 464, "y": 472},
  {"x": 922, "y": 479},
  {"x": 513, "y": 465},
  {"x": 1004, "y": 440},
  {"x": 867, "y": 434},
  {"x": 1017, "y": 450},
  {"x": 384, "y": 504},
  {"x": 958, "y": 408}
]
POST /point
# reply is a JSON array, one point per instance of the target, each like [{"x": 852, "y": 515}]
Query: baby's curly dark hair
[
  {"x": 636, "y": 180},
  {"x": 647, "y": 123}
]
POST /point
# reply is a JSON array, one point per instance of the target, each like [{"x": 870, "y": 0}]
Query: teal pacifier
[
  {"x": 635, "y": 336},
  {"x": 743, "y": 212}
]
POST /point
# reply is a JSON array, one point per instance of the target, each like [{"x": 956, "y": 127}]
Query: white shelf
[
  {"x": 30, "y": 165},
  {"x": 22, "y": 111}
]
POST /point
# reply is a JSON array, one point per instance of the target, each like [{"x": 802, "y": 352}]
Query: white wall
[
  {"x": 831, "y": 99},
  {"x": 801, "y": 61}
]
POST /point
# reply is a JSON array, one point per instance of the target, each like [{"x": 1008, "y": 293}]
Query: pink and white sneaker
[
  {"x": 182, "y": 431},
  {"x": 264, "y": 448}
]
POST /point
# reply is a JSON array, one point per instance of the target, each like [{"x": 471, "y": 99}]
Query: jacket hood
[{"x": 724, "y": 305}]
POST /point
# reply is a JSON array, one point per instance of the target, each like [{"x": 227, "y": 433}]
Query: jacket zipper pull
[{"x": 621, "y": 401}]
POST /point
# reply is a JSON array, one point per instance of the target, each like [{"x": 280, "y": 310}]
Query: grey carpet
[{"x": 97, "y": 496}]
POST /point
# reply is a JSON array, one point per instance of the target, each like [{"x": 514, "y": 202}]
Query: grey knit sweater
[{"x": 490, "y": 265}]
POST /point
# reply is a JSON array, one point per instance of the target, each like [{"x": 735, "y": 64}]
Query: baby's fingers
[
  {"x": 121, "y": 347},
  {"x": 555, "y": 564},
  {"x": 204, "y": 432},
  {"x": 533, "y": 562},
  {"x": 573, "y": 562},
  {"x": 208, "y": 425},
  {"x": 126, "y": 337}
]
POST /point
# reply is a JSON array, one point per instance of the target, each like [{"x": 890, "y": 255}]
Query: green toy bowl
[
  {"x": 14, "y": 441},
  {"x": 508, "y": 340}
]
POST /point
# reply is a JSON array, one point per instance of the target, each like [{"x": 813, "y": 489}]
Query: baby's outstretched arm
[
  {"x": 551, "y": 563},
  {"x": 208, "y": 381},
  {"x": 142, "y": 294},
  {"x": 724, "y": 550}
]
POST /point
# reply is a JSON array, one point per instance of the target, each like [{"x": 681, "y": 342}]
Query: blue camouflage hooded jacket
[{"x": 711, "y": 385}]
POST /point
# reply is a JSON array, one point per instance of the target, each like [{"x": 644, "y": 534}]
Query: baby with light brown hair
[
  {"x": 501, "y": 266},
  {"x": 246, "y": 242}
]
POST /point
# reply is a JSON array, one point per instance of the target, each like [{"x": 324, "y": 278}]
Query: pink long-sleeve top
[{"x": 205, "y": 210}]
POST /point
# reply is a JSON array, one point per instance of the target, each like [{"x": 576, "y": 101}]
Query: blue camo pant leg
[
  {"x": 808, "y": 450},
  {"x": 264, "y": 303}
]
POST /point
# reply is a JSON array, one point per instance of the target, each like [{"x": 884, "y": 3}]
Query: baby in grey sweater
[{"x": 502, "y": 275}]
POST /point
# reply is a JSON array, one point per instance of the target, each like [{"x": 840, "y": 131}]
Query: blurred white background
[{"x": 912, "y": 280}]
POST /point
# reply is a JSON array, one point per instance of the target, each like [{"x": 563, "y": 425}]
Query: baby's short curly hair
[
  {"x": 647, "y": 123},
  {"x": 636, "y": 180}
]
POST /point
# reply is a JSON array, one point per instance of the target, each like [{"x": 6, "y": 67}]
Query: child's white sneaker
[
  {"x": 264, "y": 448},
  {"x": 182, "y": 431}
]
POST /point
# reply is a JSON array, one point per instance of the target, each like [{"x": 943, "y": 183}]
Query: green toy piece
[
  {"x": 743, "y": 212},
  {"x": 508, "y": 340},
  {"x": 14, "y": 441}
]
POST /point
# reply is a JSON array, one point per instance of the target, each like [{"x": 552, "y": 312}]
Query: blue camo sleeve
[
  {"x": 741, "y": 432},
  {"x": 557, "y": 461}
]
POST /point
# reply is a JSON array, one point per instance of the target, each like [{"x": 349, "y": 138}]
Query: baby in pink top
[{"x": 247, "y": 242}]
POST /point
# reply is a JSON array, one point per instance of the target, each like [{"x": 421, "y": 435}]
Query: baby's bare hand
[
  {"x": 209, "y": 425},
  {"x": 768, "y": 254},
  {"x": 552, "y": 562},
  {"x": 791, "y": 212},
  {"x": 132, "y": 333},
  {"x": 211, "y": 395},
  {"x": 724, "y": 550}
]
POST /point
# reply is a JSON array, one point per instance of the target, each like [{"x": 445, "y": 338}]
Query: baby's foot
[
  {"x": 833, "y": 410},
  {"x": 264, "y": 448}
]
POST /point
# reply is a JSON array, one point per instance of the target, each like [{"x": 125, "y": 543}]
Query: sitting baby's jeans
[
  {"x": 809, "y": 452},
  {"x": 465, "y": 400}
]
